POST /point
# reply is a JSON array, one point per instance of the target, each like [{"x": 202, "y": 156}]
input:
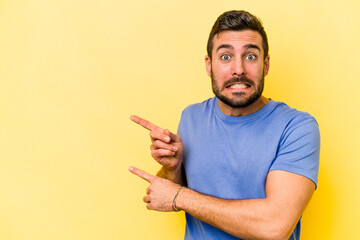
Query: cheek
[
  {"x": 254, "y": 72},
  {"x": 221, "y": 71}
]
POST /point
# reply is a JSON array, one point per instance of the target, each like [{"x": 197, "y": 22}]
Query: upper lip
[{"x": 238, "y": 80}]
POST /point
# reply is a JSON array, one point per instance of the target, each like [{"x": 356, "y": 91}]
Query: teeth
[{"x": 239, "y": 86}]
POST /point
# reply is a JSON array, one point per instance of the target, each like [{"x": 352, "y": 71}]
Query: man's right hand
[{"x": 166, "y": 148}]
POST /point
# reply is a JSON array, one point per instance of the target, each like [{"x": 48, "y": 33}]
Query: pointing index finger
[
  {"x": 144, "y": 175},
  {"x": 145, "y": 123}
]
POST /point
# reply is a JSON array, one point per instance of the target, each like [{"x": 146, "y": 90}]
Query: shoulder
[
  {"x": 285, "y": 110},
  {"x": 194, "y": 115},
  {"x": 300, "y": 128},
  {"x": 197, "y": 109},
  {"x": 208, "y": 103},
  {"x": 292, "y": 116}
]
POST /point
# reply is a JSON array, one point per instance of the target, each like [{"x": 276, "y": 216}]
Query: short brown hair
[{"x": 236, "y": 20}]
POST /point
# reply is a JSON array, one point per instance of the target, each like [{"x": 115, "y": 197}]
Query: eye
[
  {"x": 250, "y": 57},
  {"x": 225, "y": 57}
]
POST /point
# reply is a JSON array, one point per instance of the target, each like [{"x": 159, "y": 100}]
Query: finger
[
  {"x": 161, "y": 153},
  {"x": 173, "y": 137},
  {"x": 159, "y": 135},
  {"x": 146, "y": 199},
  {"x": 147, "y": 190},
  {"x": 161, "y": 145},
  {"x": 149, "y": 207},
  {"x": 145, "y": 123},
  {"x": 144, "y": 175},
  {"x": 166, "y": 162}
]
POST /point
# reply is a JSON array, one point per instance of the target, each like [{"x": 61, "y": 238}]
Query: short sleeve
[{"x": 299, "y": 148}]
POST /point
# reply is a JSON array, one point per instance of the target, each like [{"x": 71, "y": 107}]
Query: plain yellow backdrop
[{"x": 72, "y": 72}]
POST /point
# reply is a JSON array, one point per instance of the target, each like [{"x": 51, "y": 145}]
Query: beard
[{"x": 238, "y": 100}]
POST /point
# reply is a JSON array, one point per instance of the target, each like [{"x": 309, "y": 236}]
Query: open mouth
[{"x": 238, "y": 86}]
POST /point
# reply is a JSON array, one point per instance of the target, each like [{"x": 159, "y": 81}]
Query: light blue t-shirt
[{"x": 230, "y": 157}]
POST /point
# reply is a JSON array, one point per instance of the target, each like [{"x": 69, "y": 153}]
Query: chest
[{"x": 230, "y": 161}]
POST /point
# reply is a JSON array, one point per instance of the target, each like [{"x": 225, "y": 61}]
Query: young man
[{"x": 250, "y": 164}]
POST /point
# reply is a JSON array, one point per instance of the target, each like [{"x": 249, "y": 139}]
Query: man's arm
[{"x": 274, "y": 217}]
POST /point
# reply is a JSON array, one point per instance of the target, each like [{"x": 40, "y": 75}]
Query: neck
[{"x": 237, "y": 112}]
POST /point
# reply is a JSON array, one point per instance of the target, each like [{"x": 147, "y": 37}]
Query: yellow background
[{"x": 72, "y": 72}]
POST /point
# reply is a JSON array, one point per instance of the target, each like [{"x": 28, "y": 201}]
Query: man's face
[{"x": 237, "y": 68}]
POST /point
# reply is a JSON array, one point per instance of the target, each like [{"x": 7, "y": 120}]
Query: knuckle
[
  {"x": 154, "y": 154},
  {"x": 157, "y": 143},
  {"x": 159, "y": 160},
  {"x": 159, "y": 152},
  {"x": 154, "y": 134}
]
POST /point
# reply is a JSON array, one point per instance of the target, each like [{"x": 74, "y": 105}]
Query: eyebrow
[
  {"x": 247, "y": 46},
  {"x": 226, "y": 46}
]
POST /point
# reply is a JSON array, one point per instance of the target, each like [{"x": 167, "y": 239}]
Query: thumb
[{"x": 174, "y": 137}]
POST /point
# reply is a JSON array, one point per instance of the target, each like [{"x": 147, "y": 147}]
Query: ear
[
  {"x": 208, "y": 65},
  {"x": 266, "y": 65}
]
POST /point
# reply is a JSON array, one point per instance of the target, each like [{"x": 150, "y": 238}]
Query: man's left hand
[{"x": 160, "y": 193}]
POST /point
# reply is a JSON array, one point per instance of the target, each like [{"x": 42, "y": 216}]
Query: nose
[{"x": 238, "y": 68}]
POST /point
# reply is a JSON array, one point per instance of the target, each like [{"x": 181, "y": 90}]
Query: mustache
[{"x": 238, "y": 79}]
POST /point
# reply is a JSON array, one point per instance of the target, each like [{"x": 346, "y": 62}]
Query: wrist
[
  {"x": 173, "y": 174},
  {"x": 172, "y": 171},
  {"x": 174, "y": 203}
]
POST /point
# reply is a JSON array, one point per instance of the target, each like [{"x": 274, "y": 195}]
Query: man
[{"x": 250, "y": 163}]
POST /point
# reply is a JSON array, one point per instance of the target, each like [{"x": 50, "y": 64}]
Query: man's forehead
[{"x": 244, "y": 37}]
